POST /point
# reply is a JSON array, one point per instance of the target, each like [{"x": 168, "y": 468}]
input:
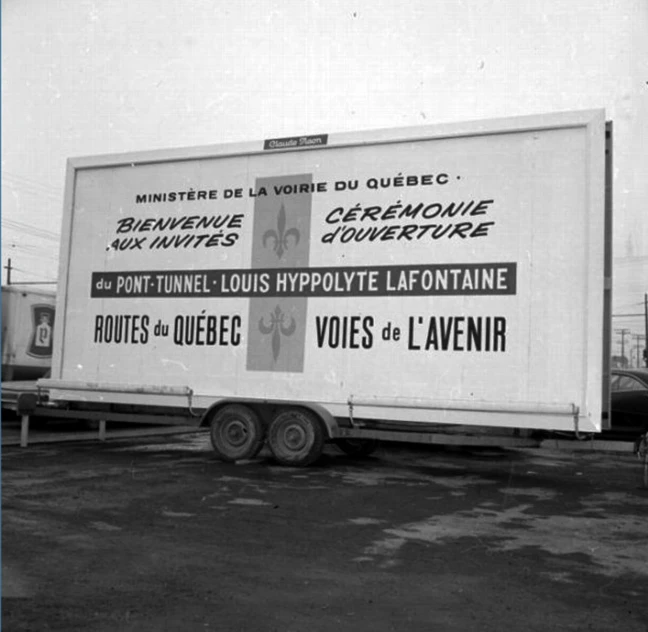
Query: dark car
[{"x": 629, "y": 402}]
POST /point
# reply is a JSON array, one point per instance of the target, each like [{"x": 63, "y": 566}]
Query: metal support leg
[
  {"x": 102, "y": 430},
  {"x": 350, "y": 403},
  {"x": 641, "y": 450},
  {"x": 24, "y": 431}
]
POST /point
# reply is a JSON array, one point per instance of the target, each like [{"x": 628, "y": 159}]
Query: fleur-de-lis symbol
[
  {"x": 277, "y": 328},
  {"x": 280, "y": 236}
]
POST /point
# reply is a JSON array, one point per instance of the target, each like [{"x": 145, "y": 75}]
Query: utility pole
[
  {"x": 8, "y": 269},
  {"x": 624, "y": 332},
  {"x": 645, "y": 353},
  {"x": 638, "y": 339}
]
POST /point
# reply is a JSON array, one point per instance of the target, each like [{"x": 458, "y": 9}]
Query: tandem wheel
[
  {"x": 296, "y": 437},
  {"x": 236, "y": 432}
]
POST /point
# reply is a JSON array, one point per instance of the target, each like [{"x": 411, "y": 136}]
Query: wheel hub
[
  {"x": 295, "y": 437},
  {"x": 235, "y": 433}
]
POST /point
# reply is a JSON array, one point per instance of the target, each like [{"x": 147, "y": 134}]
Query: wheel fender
[
  {"x": 209, "y": 413},
  {"x": 328, "y": 420},
  {"x": 330, "y": 423}
]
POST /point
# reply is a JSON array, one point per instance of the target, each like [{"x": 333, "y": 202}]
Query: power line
[
  {"x": 29, "y": 274},
  {"x": 623, "y": 333},
  {"x": 18, "y": 176},
  {"x": 630, "y": 304},
  {"x": 24, "y": 225},
  {"x": 39, "y": 247},
  {"x": 27, "y": 191},
  {"x": 26, "y": 250},
  {"x": 628, "y": 261},
  {"x": 28, "y": 183},
  {"x": 31, "y": 230}
]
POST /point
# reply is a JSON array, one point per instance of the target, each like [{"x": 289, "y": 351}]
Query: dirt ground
[{"x": 155, "y": 534}]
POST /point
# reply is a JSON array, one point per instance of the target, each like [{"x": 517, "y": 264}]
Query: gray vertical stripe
[{"x": 281, "y": 239}]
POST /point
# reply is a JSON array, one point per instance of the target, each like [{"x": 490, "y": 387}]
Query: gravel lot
[{"x": 155, "y": 534}]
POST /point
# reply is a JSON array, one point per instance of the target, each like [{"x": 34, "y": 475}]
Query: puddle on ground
[
  {"x": 539, "y": 493},
  {"x": 365, "y": 521},
  {"x": 609, "y": 541},
  {"x": 599, "y": 501},
  {"x": 15, "y": 584},
  {"x": 104, "y": 526},
  {"x": 253, "y": 502},
  {"x": 561, "y": 577},
  {"x": 177, "y": 514},
  {"x": 393, "y": 476},
  {"x": 199, "y": 443}
]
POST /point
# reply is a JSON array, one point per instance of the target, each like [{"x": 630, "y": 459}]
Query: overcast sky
[{"x": 84, "y": 77}]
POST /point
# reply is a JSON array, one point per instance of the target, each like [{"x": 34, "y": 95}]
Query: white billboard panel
[{"x": 447, "y": 274}]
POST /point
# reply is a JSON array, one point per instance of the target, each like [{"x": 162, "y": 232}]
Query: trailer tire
[
  {"x": 236, "y": 432},
  {"x": 296, "y": 437},
  {"x": 357, "y": 447}
]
